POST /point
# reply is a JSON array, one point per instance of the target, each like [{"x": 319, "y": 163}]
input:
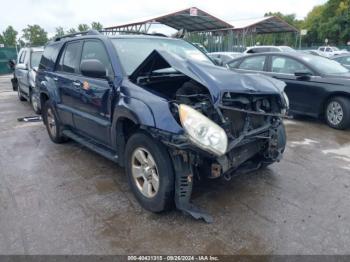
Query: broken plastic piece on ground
[{"x": 29, "y": 119}]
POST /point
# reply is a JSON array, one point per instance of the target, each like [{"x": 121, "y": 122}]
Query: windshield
[
  {"x": 133, "y": 51},
  {"x": 325, "y": 65},
  {"x": 35, "y": 59}
]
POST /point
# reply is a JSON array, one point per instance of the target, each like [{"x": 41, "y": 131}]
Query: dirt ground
[{"x": 65, "y": 199}]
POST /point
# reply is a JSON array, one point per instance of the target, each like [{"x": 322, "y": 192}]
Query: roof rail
[
  {"x": 115, "y": 32},
  {"x": 89, "y": 32}
]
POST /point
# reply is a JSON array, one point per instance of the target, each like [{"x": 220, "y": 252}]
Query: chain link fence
[{"x": 6, "y": 54}]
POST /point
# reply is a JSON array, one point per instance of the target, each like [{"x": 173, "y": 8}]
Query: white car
[
  {"x": 267, "y": 48},
  {"x": 330, "y": 51}
]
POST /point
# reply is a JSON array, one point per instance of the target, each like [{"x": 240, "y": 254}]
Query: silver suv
[{"x": 24, "y": 76}]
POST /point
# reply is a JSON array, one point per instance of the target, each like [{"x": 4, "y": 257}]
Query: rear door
[
  {"x": 66, "y": 77},
  {"x": 95, "y": 95},
  {"x": 303, "y": 92},
  {"x": 21, "y": 71}
]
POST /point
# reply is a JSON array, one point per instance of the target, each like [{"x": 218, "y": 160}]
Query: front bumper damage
[{"x": 269, "y": 139}]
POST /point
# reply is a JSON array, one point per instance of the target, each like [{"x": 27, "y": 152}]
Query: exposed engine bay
[{"x": 246, "y": 118}]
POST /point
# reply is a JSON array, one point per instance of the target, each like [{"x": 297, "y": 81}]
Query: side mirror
[
  {"x": 93, "y": 68},
  {"x": 303, "y": 75}
]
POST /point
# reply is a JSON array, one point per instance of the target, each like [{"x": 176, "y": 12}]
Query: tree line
[
  {"x": 328, "y": 21},
  {"x": 35, "y": 35}
]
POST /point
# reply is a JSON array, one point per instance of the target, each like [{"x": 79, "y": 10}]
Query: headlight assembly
[{"x": 202, "y": 131}]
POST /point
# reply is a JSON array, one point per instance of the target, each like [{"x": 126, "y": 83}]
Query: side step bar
[{"x": 92, "y": 145}]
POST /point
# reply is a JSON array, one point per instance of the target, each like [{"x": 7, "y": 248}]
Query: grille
[{"x": 237, "y": 120}]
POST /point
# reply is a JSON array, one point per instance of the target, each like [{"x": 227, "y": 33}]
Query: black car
[
  {"x": 343, "y": 59},
  {"x": 159, "y": 107},
  {"x": 316, "y": 86}
]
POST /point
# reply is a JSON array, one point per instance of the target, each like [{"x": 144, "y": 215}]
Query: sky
[{"x": 50, "y": 14}]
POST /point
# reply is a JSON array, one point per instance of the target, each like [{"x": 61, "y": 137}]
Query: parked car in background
[
  {"x": 343, "y": 59},
  {"x": 168, "y": 115},
  {"x": 266, "y": 48},
  {"x": 329, "y": 51},
  {"x": 221, "y": 58},
  {"x": 310, "y": 52},
  {"x": 316, "y": 86},
  {"x": 25, "y": 74}
]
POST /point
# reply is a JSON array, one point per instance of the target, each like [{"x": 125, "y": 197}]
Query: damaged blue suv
[{"x": 160, "y": 107}]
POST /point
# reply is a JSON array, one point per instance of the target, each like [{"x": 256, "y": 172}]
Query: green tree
[
  {"x": 72, "y": 31},
  {"x": 331, "y": 21},
  {"x": 21, "y": 43},
  {"x": 59, "y": 31},
  {"x": 96, "y": 26},
  {"x": 9, "y": 36},
  {"x": 83, "y": 27},
  {"x": 35, "y": 35}
]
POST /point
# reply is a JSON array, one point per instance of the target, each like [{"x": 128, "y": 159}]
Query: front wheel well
[
  {"x": 43, "y": 98},
  {"x": 125, "y": 127}
]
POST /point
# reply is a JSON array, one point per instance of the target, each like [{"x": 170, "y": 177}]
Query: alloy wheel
[
  {"x": 145, "y": 172},
  {"x": 51, "y": 123},
  {"x": 335, "y": 113}
]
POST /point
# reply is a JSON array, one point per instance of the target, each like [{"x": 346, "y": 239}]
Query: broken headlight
[{"x": 202, "y": 131}]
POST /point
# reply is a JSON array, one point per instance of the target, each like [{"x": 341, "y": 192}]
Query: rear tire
[
  {"x": 337, "y": 112},
  {"x": 146, "y": 159},
  {"x": 34, "y": 103},
  {"x": 52, "y": 123}
]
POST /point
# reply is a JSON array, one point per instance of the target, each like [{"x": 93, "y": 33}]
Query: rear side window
[
  {"x": 69, "y": 61},
  {"x": 96, "y": 50},
  {"x": 49, "y": 57},
  {"x": 255, "y": 63}
]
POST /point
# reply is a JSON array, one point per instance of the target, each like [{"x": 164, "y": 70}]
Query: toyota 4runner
[{"x": 159, "y": 107}]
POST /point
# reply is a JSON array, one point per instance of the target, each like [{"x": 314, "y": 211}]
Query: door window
[
  {"x": 69, "y": 61},
  {"x": 96, "y": 50},
  {"x": 255, "y": 63},
  {"x": 286, "y": 65}
]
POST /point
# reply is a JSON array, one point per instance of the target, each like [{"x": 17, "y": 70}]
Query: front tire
[
  {"x": 52, "y": 123},
  {"x": 150, "y": 172},
  {"x": 337, "y": 112}
]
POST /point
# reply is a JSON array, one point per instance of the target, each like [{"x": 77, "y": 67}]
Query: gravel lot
[{"x": 65, "y": 199}]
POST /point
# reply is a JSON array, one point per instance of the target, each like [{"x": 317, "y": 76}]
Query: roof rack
[
  {"x": 116, "y": 32},
  {"x": 106, "y": 32},
  {"x": 89, "y": 32}
]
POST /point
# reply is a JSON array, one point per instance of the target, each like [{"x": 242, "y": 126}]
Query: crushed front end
[{"x": 231, "y": 123}]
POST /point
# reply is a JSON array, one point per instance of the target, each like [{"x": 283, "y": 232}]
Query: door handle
[{"x": 77, "y": 84}]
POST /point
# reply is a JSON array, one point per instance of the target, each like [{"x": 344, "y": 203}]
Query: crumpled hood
[{"x": 216, "y": 79}]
